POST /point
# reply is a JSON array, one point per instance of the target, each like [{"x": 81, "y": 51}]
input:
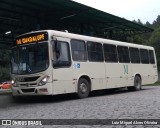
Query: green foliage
[
  {"x": 155, "y": 84},
  {"x": 5, "y": 55},
  {"x": 156, "y": 23},
  {"x": 138, "y": 39},
  {"x": 148, "y": 24},
  {"x": 151, "y": 39},
  {"x": 155, "y": 42},
  {"x": 155, "y": 37},
  {"x": 140, "y": 22},
  {"x": 4, "y": 65},
  {"x": 4, "y": 74}
]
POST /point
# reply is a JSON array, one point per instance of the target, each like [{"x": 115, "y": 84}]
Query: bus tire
[
  {"x": 137, "y": 84},
  {"x": 83, "y": 88}
]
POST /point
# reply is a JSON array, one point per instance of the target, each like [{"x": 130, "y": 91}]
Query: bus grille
[
  {"x": 27, "y": 79},
  {"x": 28, "y": 90}
]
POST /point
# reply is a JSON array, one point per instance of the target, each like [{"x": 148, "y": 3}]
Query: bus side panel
[
  {"x": 126, "y": 78},
  {"x": 153, "y": 73},
  {"x": 95, "y": 71},
  {"x": 113, "y": 72},
  {"x": 154, "y": 70},
  {"x": 118, "y": 75},
  {"x": 146, "y": 72}
]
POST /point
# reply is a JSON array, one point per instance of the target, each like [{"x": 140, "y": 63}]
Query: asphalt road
[{"x": 144, "y": 104}]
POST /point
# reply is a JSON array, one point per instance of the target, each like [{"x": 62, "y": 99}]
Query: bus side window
[
  {"x": 134, "y": 55},
  {"x": 110, "y": 53},
  {"x": 95, "y": 52},
  {"x": 123, "y": 54},
  {"x": 78, "y": 50},
  {"x": 151, "y": 57},
  {"x": 144, "y": 56}
]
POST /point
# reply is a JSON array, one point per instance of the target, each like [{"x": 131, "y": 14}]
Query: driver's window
[{"x": 61, "y": 54}]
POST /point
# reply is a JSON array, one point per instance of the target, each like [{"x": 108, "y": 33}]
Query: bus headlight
[
  {"x": 44, "y": 80},
  {"x": 12, "y": 82}
]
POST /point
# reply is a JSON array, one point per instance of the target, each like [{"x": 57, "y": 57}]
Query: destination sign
[{"x": 32, "y": 38}]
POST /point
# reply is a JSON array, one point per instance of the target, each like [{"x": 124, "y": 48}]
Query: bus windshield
[{"x": 29, "y": 59}]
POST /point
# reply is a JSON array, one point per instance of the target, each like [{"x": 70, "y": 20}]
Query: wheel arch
[
  {"x": 138, "y": 74},
  {"x": 88, "y": 79},
  {"x": 136, "y": 87}
]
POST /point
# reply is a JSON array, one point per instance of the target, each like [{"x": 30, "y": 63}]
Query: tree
[
  {"x": 148, "y": 24},
  {"x": 155, "y": 42},
  {"x": 4, "y": 65},
  {"x": 139, "y": 39},
  {"x": 156, "y": 23},
  {"x": 140, "y": 22}
]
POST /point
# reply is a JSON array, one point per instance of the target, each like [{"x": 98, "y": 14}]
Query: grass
[{"x": 155, "y": 84}]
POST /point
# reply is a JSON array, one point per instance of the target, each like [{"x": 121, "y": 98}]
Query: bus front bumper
[{"x": 38, "y": 90}]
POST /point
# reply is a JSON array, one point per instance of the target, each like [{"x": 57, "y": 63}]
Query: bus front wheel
[{"x": 83, "y": 88}]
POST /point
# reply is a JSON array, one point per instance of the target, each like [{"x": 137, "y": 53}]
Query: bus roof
[{"x": 90, "y": 38}]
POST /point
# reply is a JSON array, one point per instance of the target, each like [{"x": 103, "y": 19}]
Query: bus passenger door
[{"x": 62, "y": 69}]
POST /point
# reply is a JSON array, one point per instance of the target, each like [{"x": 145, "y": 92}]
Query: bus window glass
[
  {"x": 123, "y": 54},
  {"x": 95, "y": 52},
  {"x": 15, "y": 60},
  {"x": 61, "y": 54},
  {"x": 30, "y": 58},
  {"x": 151, "y": 57},
  {"x": 78, "y": 50},
  {"x": 110, "y": 53},
  {"x": 134, "y": 55},
  {"x": 144, "y": 56}
]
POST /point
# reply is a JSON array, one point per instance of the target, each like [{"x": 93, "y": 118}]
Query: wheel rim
[{"x": 83, "y": 88}]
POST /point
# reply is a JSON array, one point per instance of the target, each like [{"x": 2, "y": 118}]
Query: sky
[{"x": 145, "y": 10}]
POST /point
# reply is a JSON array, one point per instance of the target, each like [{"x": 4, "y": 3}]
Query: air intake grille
[
  {"x": 28, "y": 90},
  {"x": 28, "y": 79}
]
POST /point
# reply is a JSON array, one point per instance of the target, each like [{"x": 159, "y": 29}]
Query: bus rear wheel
[
  {"x": 83, "y": 88},
  {"x": 137, "y": 84}
]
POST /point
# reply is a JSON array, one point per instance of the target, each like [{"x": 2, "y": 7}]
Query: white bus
[{"x": 53, "y": 62}]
